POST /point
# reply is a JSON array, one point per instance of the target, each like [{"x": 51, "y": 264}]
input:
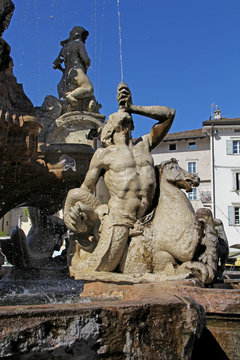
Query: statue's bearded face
[
  {"x": 118, "y": 123},
  {"x": 123, "y": 128}
]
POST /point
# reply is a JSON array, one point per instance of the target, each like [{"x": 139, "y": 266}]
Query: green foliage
[
  {"x": 26, "y": 212},
  {"x": 3, "y": 233}
]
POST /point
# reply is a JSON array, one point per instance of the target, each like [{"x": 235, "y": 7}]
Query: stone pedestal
[{"x": 74, "y": 127}]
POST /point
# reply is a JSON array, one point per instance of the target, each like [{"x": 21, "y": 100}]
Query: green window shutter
[
  {"x": 231, "y": 219},
  {"x": 229, "y": 147}
]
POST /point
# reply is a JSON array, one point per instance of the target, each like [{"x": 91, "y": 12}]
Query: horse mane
[
  {"x": 158, "y": 173},
  {"x": 161, "y": 166}
]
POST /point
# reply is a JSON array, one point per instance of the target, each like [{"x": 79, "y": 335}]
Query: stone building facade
[
  {"x": 212, "y": 152},
  {"x": 192, "y": 150},
  {"x": 224, "y": 136}
]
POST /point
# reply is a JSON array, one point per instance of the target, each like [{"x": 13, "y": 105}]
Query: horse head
[{"x": 174, "y": 174}]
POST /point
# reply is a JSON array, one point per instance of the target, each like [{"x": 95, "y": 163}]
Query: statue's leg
[
  {"x": 79, "y": 86},
  {"x": 184, "y": 248},
  {"x": 137, "y": 258}
]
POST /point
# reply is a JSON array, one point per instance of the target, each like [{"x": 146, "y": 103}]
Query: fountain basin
[{"x": 169, "y": 320}]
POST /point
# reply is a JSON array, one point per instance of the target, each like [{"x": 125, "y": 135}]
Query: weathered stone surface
[
  {"x": 6, "y": 11},
  {"x": 220, "y": 338},
  {"x": 142, "y": 321},
  {"x": 213, "y": 300},
  {"x": 121, "y": 278},
  {"x": 75, "y": 127},
  {"x": 165, "y": 329},
  {"x": 224, "y": 332},
  {"x": 50, "y": 110},
  {"x": 12, "y": 96}
]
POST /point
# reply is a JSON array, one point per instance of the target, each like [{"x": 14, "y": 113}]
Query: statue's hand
[
  {"x": 124, "y": 96},
  {"x": 77, "y": 219}
]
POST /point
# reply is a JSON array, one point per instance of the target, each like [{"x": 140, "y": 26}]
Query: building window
[
  {"x": 236, "y": 147},
  {"x": 192, "y": 145},
  {"x": 234, "y": 215},
  {"x": 236, "y": 180},
  {"x": 193, "y": 194},
  {"x": 233, "y": 147},
  {"x": 172, "y": 147},
  {"x": 192, "y": 167}
]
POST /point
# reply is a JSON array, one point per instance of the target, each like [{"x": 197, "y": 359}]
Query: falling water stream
[{"x": 120, "y": 38}]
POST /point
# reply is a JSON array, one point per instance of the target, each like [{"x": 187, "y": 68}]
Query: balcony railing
[{"x": 205, "y": 196}]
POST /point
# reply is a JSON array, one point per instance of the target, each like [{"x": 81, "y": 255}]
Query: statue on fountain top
[{"x": 75, "y": 88}]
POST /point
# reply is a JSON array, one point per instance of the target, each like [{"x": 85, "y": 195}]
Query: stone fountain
[
  {"x": 44, "y": 152},
  {"x": 146, "y": 270}
]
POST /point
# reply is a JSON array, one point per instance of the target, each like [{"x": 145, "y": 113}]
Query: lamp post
[{"x": 214, "y": 132}]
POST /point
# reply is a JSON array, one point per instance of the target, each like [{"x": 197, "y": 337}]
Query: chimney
[{"x": 217, "y": 114}]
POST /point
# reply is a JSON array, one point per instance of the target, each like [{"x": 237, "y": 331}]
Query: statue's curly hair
[{"x": 113, "y": 122}]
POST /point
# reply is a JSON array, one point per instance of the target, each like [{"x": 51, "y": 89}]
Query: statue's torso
[
  {"x": 71, "y": 54},
  {"x": 130, "y": 178}
]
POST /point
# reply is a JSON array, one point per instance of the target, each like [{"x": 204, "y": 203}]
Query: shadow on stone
[{"x": 206, "y": 347}]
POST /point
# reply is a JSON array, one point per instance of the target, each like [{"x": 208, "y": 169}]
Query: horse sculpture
[{"x": 177, "y": 239}]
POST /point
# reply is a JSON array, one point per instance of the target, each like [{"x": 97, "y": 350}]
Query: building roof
[
  {"x": 222, "y": 121},
  {"x": 184, "y": 135}
]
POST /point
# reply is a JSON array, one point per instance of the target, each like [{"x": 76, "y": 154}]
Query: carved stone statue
[
  {"x": 141, "y": 233},
  {"x": 75, "y": 87},
  {"x": 50, "y": 110},
  {"x": 129, "y": 175}
]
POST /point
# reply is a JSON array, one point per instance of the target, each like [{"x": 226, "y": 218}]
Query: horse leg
[
  {"x": 161, "y": 259},
  {"x": 138, "y": 256},
  {"x": 197, "y": 269}
]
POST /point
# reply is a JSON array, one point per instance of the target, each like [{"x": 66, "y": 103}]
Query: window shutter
[
  {"x": 231, "y": 219},
  {"x": 234, "y": 182},
  {"x": 229, "y": 147}
]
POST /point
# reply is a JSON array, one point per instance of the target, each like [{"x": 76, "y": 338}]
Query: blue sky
[{"x": 184, "y": 54}]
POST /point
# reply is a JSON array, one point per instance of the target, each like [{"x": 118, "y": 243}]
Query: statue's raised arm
[{"x": 164, "y": 115}]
